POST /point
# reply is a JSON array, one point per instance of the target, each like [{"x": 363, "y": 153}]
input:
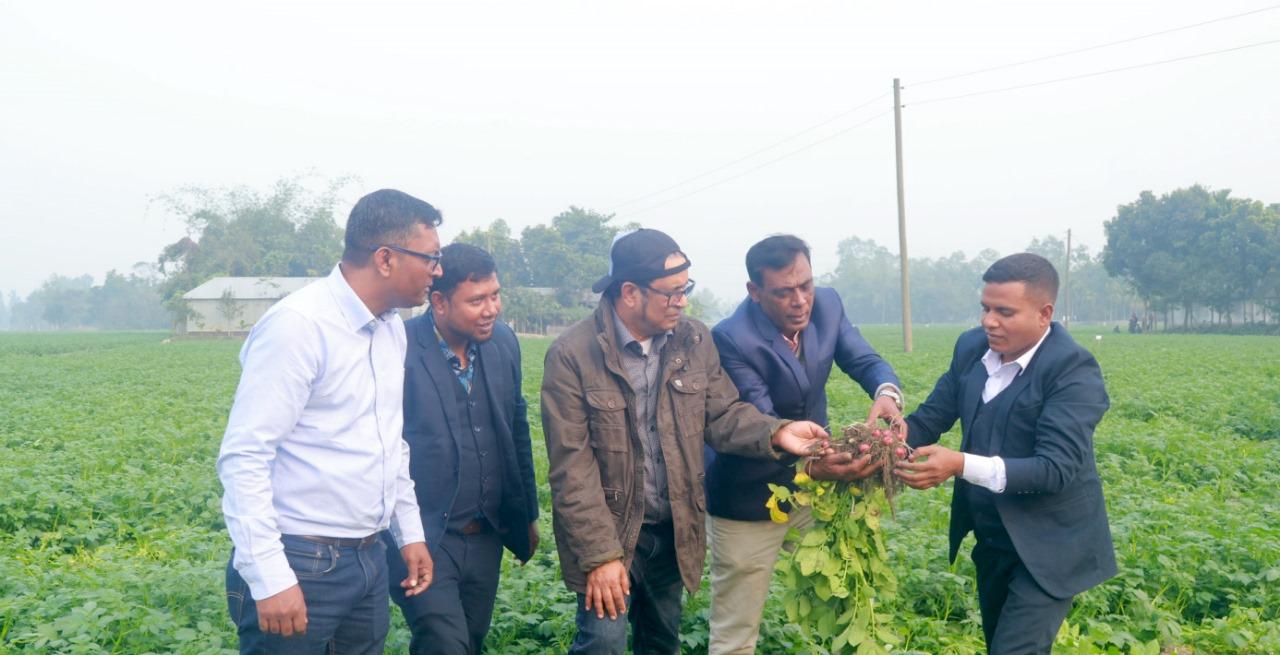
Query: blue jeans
[
  {"x": 346, "y": 594},
  {"x": 653, "y": 608}
]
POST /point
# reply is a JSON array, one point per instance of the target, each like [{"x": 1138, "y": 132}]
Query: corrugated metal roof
[{"x": 249, "y": 288}]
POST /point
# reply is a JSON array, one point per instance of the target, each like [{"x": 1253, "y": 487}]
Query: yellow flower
[
  {"x": 776, "y": 514},
  {"x": 802, "y": 478}
]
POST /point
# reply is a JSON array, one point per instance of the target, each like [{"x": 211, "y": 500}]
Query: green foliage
[
  {"x": 547, "y": 274},
  {"x": 1194, "y": 247},
  {"x": 839, "y": 587},
  {"x": 120, "y": 302},
  {"x": 945, "y": 289},
  {"x": 112, "y": 541},
  {"x": 290, "y": 231}
]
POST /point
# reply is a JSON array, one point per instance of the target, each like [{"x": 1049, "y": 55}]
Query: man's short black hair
[
  {"x": 1031, "y": 269},
  {"x": 462, "y": 262},
  {"x": 774, "y": 253},
  {"x": 385, "y": 217}
]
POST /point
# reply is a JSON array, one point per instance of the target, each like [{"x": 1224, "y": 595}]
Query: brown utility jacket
[{"x": 596, "y": 457}]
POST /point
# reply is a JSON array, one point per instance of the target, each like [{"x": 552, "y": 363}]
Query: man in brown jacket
[{"x": 629, "y": 395}]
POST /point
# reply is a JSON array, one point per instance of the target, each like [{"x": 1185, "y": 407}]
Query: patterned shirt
[{"x": 465, "y": 374}]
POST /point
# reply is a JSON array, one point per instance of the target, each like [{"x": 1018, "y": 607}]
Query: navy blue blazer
[
  {"x": 769, "y": 376},
  {"x": 432, "y": 429},
  {"x": 1052, "y": 504}
]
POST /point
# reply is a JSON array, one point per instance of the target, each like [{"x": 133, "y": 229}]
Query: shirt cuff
[
  {"x": 986, "y": 472},
  {"x": 407, "y": 530},
  {"x": 269, "y": 576}
]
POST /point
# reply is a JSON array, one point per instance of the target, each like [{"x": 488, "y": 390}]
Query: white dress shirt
[
  {"x": 314, "y": 443},
  {"x": 989, "y": 472}
]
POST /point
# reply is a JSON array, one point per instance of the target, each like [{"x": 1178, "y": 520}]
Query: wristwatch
[{"x": 893, "y": 394}]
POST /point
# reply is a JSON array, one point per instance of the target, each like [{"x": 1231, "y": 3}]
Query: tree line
[
  {"x": 946, "y": 289},
  {"x": 1191, "y": 257},
  {"x": 1199, "y": 255}
]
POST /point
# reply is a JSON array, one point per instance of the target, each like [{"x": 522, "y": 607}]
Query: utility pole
[
  {"x": 902, "y": 219},
  {"x": 1066, "y": 286}
]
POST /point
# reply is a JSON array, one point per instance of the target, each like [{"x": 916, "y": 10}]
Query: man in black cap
[{"x": 629, "y": 395}]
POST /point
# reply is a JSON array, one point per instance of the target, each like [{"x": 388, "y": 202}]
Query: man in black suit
[
  {"x": 1028, "y": 398},
  {"x": 466, "y": 424}
]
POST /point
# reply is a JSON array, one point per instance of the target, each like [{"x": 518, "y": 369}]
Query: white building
[{"x": 233, "y": 304}]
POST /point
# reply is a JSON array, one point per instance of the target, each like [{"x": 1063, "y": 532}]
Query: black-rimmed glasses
[
  {"x": 433, "y": 259},
  {"x": 674, "y": 297}
]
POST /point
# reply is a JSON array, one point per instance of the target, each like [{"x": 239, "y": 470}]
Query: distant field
[{"x": 111, "y": 536}]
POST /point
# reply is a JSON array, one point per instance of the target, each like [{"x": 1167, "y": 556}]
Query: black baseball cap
[{"x": 640, "y": 256}]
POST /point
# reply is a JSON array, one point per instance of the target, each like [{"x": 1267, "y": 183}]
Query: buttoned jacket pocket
[{"x": 607, "y": 420}]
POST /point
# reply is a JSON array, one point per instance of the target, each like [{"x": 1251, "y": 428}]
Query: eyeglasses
[
  {"x": 434, "y": 260},
  {"x": 673, "y": 297}
]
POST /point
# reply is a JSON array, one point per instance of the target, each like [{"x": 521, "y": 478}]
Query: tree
[
  {"x": 866, "y": 277},
  {"x": 1194, "y": 247},
  {"x": 126, "y": 303},
  {"x": 64, "y": 301},
  {"x": 707, "y": 307},
  {"x": 507, "y": 251},
  {"x": 289, "y": 231},
  {"x": 230, "y": 309}
]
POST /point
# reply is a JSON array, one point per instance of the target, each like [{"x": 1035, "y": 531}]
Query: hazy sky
[{"x": 519, "y": 109}]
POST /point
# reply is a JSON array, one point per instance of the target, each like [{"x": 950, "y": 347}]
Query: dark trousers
[
  {"x": 653, "y": 606},
  {"x": 452, "y": 616},
  {"x": 345, "y": 590},
  {"x": 1018, "y": 617}
]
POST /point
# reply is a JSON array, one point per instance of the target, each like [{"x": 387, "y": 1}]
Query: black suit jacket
[
  {"x": 432, "y": 428},
  {"x": 1052, "y": 504}
]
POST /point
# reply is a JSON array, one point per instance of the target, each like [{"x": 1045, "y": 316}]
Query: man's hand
[
  {"x": 418, "y": 560},
  {"x": 883, "y": 408},
  {"x": 843, "y": 466},
  {"x": 284, "y": 614},
  {"x": 801, "y": 438},
  {"x": 607, "y": 587},
  {"x": 940, "y": 465},
  {"x": 533, "y": 541}
]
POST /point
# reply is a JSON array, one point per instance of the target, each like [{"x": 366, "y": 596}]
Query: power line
[
  {"x": 1096, "y": 47},
  {"x": 760, "y": 166},
  {"x": 749, "y": 155},
  {"x": 1093, "y": 74}
]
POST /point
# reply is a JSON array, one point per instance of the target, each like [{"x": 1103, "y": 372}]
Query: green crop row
[{"x": 111, "y": 536}]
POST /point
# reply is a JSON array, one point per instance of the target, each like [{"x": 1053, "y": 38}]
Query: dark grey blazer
[
  {"x": 432, "y": 428},
  {"x": 1052, "y": 505}
]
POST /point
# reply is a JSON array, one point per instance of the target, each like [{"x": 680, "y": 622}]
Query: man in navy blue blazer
[
  {"x": 466, "y": 423},
  {"x": 1028, "y": 398},
  {"x": 778, "y": 348}
]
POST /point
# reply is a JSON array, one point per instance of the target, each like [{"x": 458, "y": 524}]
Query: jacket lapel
[
  {"x": 1019, "y": 385},
  {"x": 974, "y": 381},
  {"x": 1005, "y": 402},
  {"x": 441, "y": 375},
  {"x": 769, "y": 332},
  {"x": 491, "y": 370}
]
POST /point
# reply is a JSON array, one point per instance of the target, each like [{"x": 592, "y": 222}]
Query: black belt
[
  {"x": 475, "y": 527},
  {"x": 340, "y": 542}
]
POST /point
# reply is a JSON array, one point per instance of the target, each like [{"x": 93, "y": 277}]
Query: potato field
[{"x": 112, "y": 541}]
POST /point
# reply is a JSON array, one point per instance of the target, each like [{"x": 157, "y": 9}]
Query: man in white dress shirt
[{"x": 313, "y": 462}]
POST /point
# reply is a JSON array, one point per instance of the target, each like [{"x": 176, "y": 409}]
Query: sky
[{"x": 518, "y": 110}]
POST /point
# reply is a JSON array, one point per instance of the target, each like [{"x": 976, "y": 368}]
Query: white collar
[
  {"x": 991, "y": 360},
  {"x": 353, "y": 308}
]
